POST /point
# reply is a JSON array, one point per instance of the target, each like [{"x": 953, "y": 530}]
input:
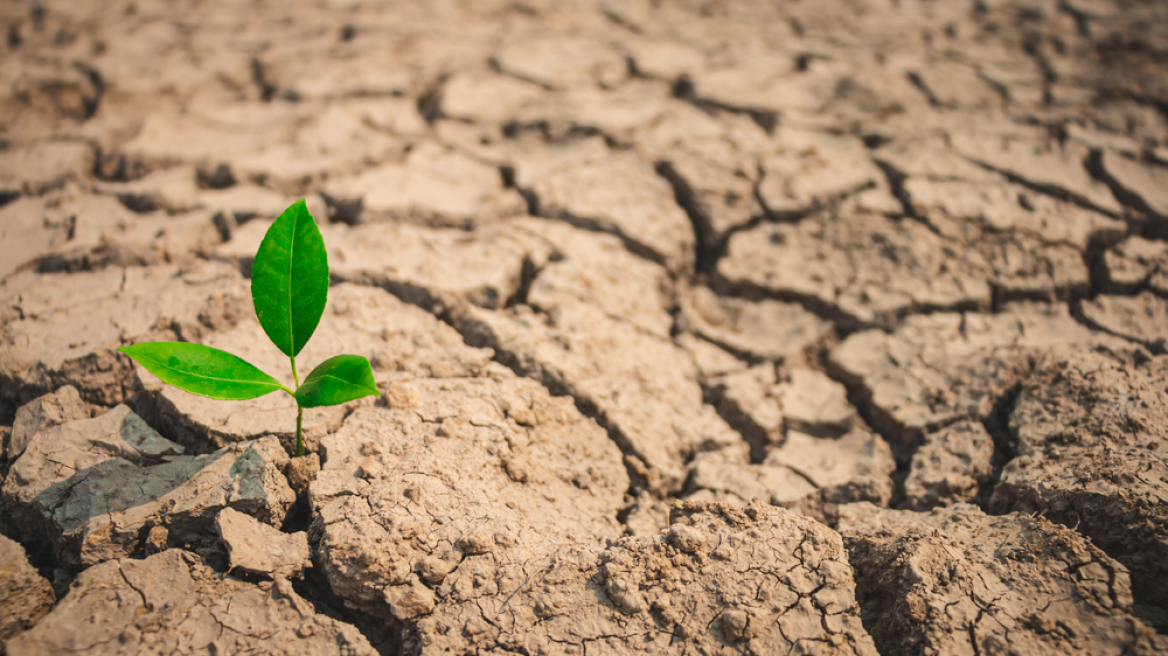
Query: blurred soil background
[{"x": 720, "y": 327}]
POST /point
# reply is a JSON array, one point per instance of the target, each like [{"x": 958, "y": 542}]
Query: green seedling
[{"x": 289, "y": 287}]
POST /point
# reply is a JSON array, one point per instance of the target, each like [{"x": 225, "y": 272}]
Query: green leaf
[
  {"x": 202, "y": 370},
  {"x": 336, "y": 380},
  {"x": 290, "y": 279}
]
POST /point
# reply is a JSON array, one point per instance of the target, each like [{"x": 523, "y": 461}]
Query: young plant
[{"x": 289, "y": 287}]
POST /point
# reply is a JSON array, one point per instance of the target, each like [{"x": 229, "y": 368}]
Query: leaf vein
[
  {"x": 342, "y": 380},
  {"x": 162, "y": 365},
  {"x": 291, "y": 252}
]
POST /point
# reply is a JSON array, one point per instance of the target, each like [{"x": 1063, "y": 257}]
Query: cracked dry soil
[{"x": 717, "y": 327}]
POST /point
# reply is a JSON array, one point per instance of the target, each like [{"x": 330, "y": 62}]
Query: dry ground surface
[{"x": 701, "y": 327}]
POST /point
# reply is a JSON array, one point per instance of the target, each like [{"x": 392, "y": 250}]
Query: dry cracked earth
[{"x": 722, "y": 327}]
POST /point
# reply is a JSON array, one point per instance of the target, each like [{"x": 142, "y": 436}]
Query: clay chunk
[
  {"x": 96, "y": 489},
  {"x": 957, "y": 581},
  {"x": 804, "y": 473},
  {"x": 25, "y": 595},
  {"x": 171, "y": 603},
  {"x": 59, "y": 407},
  {"x": 818, "y": 261},
  {"x": 1090, "y": 432},
  {"x": 432, "y": 186},
  {"x": 763, "y": 329},
  {"x": 453, "y": 475},
  {"x": 1134, "y": 264},
  {"x": 941, "y": 368},
  {"x": 757, "y": 580},
  {"x": 60, "y": 329},
  {"x": 588, "y": 185},
  {"x": 642, "y": 385},
  {"x": 950, "y": 466},
  {"x": 258, "y": 548},
  {"x": 1139, "y": 318}
]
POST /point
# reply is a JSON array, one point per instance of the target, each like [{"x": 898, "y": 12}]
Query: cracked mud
[{"x": 726, "y": 327}]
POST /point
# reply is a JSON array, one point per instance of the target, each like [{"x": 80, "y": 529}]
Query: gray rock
[
  {"x": 56, "y": 452},
  {"x": 172, "y": 603},
  {"x": 59, "y": 407},
  {"x": 641, "y": 386},
  {"x": 25, "y": 595},
  {"x": 708, "y": 583},
  {"x": 90, "y": 490},
  {"x": 397, "y": 338},
  {"x": 62, "y": 329},
  {"x": 260, "y": 549},
  {"x": 958, "y": 581},
  {"x": 450, "y": 474},
  {"x": 1089, "y": 430}
]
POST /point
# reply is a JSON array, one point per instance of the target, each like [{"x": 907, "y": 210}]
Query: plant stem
[
  {"x": 299, "y": 412},
  {"x": 299, "y": 424}
]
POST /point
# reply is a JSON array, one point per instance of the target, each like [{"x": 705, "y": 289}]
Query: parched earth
[{"x": 723, "y": 327}]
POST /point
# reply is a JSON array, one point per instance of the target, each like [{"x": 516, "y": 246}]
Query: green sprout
[{"x": 289, "y": 287}]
